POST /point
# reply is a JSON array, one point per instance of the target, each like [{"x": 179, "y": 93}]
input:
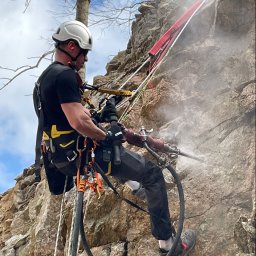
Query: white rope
[
  {"x": 136, "y": 91},
  {"x": 60, "y": 218},
  {"x": 87, "y": 203},
  {"x": 72, "y": 223},
  {"x": 144, "y": 83},
  {"x": 133, "y": 74}
]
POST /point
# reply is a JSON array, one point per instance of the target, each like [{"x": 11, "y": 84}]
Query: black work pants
[
  {"x": 137, "y": 168},
  {"x": 56, "y": 179}
]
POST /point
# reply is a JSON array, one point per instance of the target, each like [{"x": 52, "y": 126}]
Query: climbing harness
[{"x": 51, "y": 139}]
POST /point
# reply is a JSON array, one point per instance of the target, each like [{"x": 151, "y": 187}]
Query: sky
[{"x": 24, "y": 36}]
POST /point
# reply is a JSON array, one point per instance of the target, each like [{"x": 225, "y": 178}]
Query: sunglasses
[{"x": 84, "y": 52}]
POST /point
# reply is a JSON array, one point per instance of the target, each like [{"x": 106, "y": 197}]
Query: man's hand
[{"x": 114, "y": 134}]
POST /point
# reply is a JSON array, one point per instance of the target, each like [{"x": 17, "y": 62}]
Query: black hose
[
  {"x": 116, "y": 148},
  {"x": 83, "y": 237},
  {"x": 77, "y": 224},
  {"x": 182, "y": 209},
  {"x": 176, "y": 177}
]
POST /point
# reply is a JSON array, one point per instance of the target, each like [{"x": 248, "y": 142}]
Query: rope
[
  {"x": 87, "y": 203},
  {"x": 144, "y": 82},
  {"x": 60, "y": 219},
  {"x": 133, "y": 74},
  {"x": 152, "y": 72}
]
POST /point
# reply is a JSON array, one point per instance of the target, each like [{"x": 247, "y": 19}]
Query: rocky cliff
[{"x": 203, "y": 98}]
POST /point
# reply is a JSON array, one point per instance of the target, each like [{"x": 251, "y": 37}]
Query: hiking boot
[
  {"x": 188, "y": 241},
  {"x": 140, "y": 193}
]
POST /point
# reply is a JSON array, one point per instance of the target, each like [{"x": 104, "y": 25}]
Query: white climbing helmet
[{"x": 74, "y": 30}]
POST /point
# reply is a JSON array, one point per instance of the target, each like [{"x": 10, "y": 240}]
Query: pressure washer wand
[
  {"x": 138, "y": 139},
  {"x": 190, "y": 156},
  {"x": 175, "y": 150}
]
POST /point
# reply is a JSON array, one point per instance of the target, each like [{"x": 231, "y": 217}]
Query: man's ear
[{"x": 71, "y": 45}]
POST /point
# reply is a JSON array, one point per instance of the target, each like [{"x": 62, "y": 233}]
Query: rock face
[{"x": 203, "y": 98}]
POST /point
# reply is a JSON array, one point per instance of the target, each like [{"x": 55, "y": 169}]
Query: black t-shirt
[{"x": 58, "y": 85}]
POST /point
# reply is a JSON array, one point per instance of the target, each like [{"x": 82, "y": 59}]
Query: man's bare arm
[{"x": 80, "y": 120}]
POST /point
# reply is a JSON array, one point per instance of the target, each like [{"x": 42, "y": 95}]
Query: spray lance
[{"x": 138, "y": 139}]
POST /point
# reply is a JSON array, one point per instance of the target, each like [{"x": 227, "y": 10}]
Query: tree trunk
[{"x": 82, "y": 13}]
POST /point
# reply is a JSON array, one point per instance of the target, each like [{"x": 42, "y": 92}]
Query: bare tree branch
[
  {"x": 13, "y": 70},
  {"x": 26, "y": 68},
  {"x": 111, "y": 13}
]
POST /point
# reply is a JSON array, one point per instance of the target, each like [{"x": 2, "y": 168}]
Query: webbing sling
[{"x": 160, "y": 48}]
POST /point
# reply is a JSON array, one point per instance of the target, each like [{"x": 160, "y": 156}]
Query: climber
[{"x": 66, "y": 122}]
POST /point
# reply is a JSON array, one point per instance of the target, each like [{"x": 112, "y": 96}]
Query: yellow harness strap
[
  {"x": 45, "y": 136},
  {"x": 55, "y": 133}
]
